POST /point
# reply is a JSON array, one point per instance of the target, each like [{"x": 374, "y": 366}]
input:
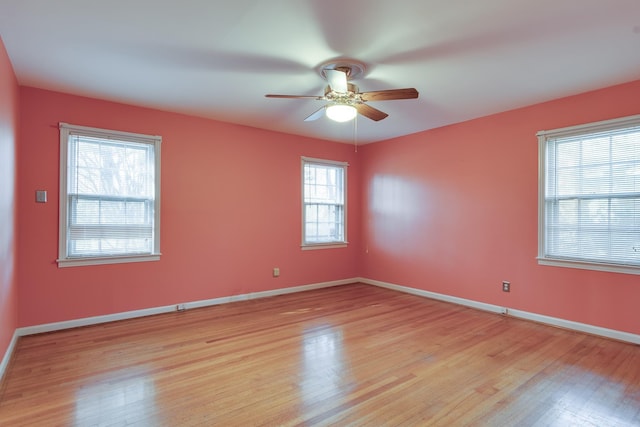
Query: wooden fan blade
[
  {"x": 337, "y": 80},
  {"x": 271, "y": 95},
  {"x": 370, "y": 112},
  {"x": 315, "y": 115},
  {"x": 388, "y": 95}
]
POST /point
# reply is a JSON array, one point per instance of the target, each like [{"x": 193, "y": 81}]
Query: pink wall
[
  {"x": 8, "y": 143},
  {"x": 454, "y": 211},
  {"x": 230, "y": 213}
]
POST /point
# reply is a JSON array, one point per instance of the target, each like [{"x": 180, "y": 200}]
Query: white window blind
[
  {"x": 109, "y": 195},
  {"x": 324, "y": 207},
  {"x": 591, "y": 194}
]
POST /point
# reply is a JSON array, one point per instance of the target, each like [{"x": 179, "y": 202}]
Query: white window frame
[
  {"x": 64, "y": 260},
  {"x": 544, "y": 136},
  {"x": 332, "y": 244}
]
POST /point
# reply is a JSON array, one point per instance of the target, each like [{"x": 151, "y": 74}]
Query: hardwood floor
[{"x": 352, "y": 355}]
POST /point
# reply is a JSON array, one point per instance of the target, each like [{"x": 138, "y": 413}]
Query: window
[
  {"x": 109, "y": 196},
  {"x": 324, "y": 186},
  {"x": 590, "y": 196}
]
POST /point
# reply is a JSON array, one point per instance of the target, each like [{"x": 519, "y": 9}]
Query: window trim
[
  {"x": 582, "y": 129},
  {"x": 63, "y": 259},
  {"x": 322, "y": 245}
]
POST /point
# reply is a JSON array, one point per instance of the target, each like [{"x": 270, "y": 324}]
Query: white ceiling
[{"x": 217, "y": 59}]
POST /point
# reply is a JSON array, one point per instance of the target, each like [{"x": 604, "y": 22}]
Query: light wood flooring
[{"x": 353, "y": 355}]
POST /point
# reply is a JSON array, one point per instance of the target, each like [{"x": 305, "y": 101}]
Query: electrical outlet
[
  {"x": 276, "y": 272},
  {"x": 506, "y": 286}
]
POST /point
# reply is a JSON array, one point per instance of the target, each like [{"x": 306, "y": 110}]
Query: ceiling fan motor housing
[{"x": 350, "y": 97}]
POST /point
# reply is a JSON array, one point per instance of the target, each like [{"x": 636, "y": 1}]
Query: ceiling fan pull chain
[{"x": 355, "y": 134}]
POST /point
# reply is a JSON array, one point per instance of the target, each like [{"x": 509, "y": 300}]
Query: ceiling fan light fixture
[{"x": 341, "y": 112}]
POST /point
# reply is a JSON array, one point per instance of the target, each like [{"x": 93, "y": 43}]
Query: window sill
[
  {"x": 78, "y": 262},
  {"x": 331, "y": 245},
  {"x": 585, "y": 265}
]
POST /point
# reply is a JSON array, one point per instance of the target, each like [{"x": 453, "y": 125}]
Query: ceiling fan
[{"x": 344, "y": 99}]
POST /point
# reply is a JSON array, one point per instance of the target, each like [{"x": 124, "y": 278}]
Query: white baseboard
[
  {"x": 265, "y": 294},
  {"x": 577, "y": 326},
  {"x": 553, "y": 321},
  {"x": 67, "y": 324},
  {"x": 7, "y": 354},
  {"x": 440, "y": 297},
  {"x": 567, "y": 324}
]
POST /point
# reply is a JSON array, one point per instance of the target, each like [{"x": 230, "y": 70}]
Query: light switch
[{"x": 41, "y": 196}]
